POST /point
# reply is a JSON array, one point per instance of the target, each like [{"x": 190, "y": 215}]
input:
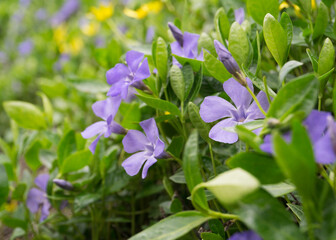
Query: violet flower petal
[
  {"x": 150, "y": 129},
  {"x": 107, "y": 107},
  {"x": 93, "y": 145},
  {"x": 45, "y": 210},
  {"x": 316, "y": 123},
  {"x": 147, "y": 165},
  {"x": 159, "y": 147},
  {"x": 133, "y": 59},
  {"x": 94, "y": 129},
  {"x": 142, "y": 72},
  {"x": 239, "y": 15},
  {"x": 238, "y": 93},
  {"x": 323, "y": 150},
  {"x": 35, "y": 197},
  {"x": 42, "y": 181},
  {"x": 176, "y": 49},
  {"x": 134, "y": 141},
  {"x": 214, "y": 108},
  {"x": 246, "y": 235},
  {"x": 190, "y": 42},
  {"x": 177, "y": 33},
  {"x": 253, "y": 112},
  {"x": 218, "y": 133},
  {"x": 133, "y": 164},
  {"x": 118, "y": 72}
]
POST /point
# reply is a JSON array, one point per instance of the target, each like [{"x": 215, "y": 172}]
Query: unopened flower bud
[
  {"x": 177, "y": 33},
  {"x": 230, "y": 63},
  {"x": 63, "y": 184}
]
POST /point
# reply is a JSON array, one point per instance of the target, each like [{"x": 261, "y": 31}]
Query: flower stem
[
  {"x": 212, "y": 159},
  {"x": 256, "y": 100},
  {"x": 266, "y": 90}
]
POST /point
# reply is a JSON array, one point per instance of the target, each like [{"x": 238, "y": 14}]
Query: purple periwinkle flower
[
  {"x": 66, "y": 11},
  {"x": 186, "y": 44},
  {"x": 229, "y": 62},
  {"x": 239, "y": 15},
  {"x": 25, "y": 47},
  {"x": 147, "y": 148},
  {"x": 214, "y": 108},
  {"x": 106, "y": 110},
  {"x": 150, "y": 34},
  {"x": 322, "y": 133},
  {"x": 37, "y": 197},
  {"x": 122, "y": 76},
  {"x": 246, "y": 235},
  {"x": 63, "y": 184}
]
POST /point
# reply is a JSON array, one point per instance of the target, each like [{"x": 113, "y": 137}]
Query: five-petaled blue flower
[
  {"x": 106, "y": 110},
  {"x": 214, "y": 108},
  {"x": 121, "y": 77},
  {"x": 148, "y": 148}
]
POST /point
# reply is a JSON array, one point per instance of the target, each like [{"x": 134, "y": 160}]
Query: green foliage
[{"x": 258, "y": 9}]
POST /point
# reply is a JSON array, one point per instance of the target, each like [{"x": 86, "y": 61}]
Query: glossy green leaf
[
  {"x": 197, "y": 121},
  {"x": 194, "y": 91},
  {"x": 263, "y": 167},
  {"x": 239, "y": 45},
  {"x": 206, "y": 43},
  {"x": 265, "y": 215},
  {"x": 259, "y": 8},
  {"x": 306, "y": 5},
  {"x": 287, "y": 25},
  {"x": 32, "y": 156},
  {"x": 289, "y": 66},
  {"x": 76, "y": 161},
  {"x": 297, "y": 210},
  {"x": 195, "y": 64},
  {"x": 191, "y": 168},
  {"x": 158, "y": 103},
  {"x": 248, "y": 137},
  {"x": 327, "y": 57},
  {"x": 297, "y": 95},
  {"x": 321, "y": 22},
  {"x": 296, "y": 160},
  {"x": 176, "y": 146},
  {"x": 66, "y": 146},
  {"x": 19, "y": 191},
  {"x": 4, "y": 188},
  {"x": 210, "y": 236},
  {"x": 131, "y": 114},
  {"x": 25, "y": 114},
  {"x": 279, "y": 189},
  {"x": 161, "y": 58},
  {"x": 215, "y": 67},
  {"x": 216, "y": 226},
  {"x": 222, "y": 24},
  {"x": 172, "y": 227},
  {"x": 48, "y": 109},
  {"x": 275, "y": 38},
  {"x": 313, "y": 59}
]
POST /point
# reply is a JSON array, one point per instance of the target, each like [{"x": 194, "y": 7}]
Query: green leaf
[
  {"x": 181, "y": 80},
  {"x": 265, "y": 215},
  {"x": 4, "y": 188},
  {"x": 159, "y": 103},
  {"x": 306, "y": 5},
  {"x": 178, "y": 177},
  {"x": 25, "y": 114},
  {"x": 321, "y": 22},
  {"x": 296, "y": 160},
  {"x": 32, "y": 155},
  {"x": 252, "y": 125},
  {"x": 259, "y": 8},
  {"x": 258, "y": 82},
  {"x": 161, "y": 59},
  {"x": 231, "y": 186},
  {"x": 280, "y": 189},
  {"x": 327, "y": 57},
  {"x": 287, "y": 25},
  {"x": 297, "y": 210},
  {"x": 195, "y": 64},
  {"x": 172, "y": 227},
  {"x": 222, "y": 24},
  {"x": 298, "y": 95},
  {"x": 18, "y": 232},
  {"x": 84, "y": 200},
  {"x": 215, "y": 67},
  {"x": 76, "y": 161},
  {"x": 66, "y": 146},
  {"x": 239, "y": 44},
  {"x": 205, "y": 42},
  {"x": 176, "y": 146},
  {"x": 19, "y": 191},
  {"x": 289, "y": 66},
  {"x": 191, "y": 168},
  {"x": 216, "y": 226},
  {"x": 263, "y": 167},
  {"x": 131, "y": 114},
  {"x": 313, "y": 59},
  {"x": 48, "y": 109},
  {"x": 197, "y": 121},
  {"x": 210, "y": 236},
  {"x": 194, "y": 91},
  {"x": 275, "y": 38},
  {"x": 248, "y": 137}
]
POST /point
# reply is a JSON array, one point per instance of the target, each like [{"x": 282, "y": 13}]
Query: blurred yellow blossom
[
  {"x": 11, "y": 206},
  {"x": 297, "y": 9},
  {"x": 66, "y": 44},
  {"x": 313, "y": 4},
  {"x": 144, "y": 10},
  {"x": 283, "y": 5},
  {"x": 103, "y": 11},
  {"x": 90, "y": 27}
]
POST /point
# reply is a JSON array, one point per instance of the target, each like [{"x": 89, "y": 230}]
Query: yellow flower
[
  {"x": 283, "y": 5},
  {"x": 90, "y": 28},
  {"x": 75, "y": 45},
  {"x": 297, "y": 11},
  {"x": 11, "y": 206},
  {"x": 144, "y": 10},
  {"x": 313, "y": 4},
  {"x": 60, "y": 34},
  {"x": 103, "y": 12}
]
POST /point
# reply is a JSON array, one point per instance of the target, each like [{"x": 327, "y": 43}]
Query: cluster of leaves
[{"x": 206, "y": 189}]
